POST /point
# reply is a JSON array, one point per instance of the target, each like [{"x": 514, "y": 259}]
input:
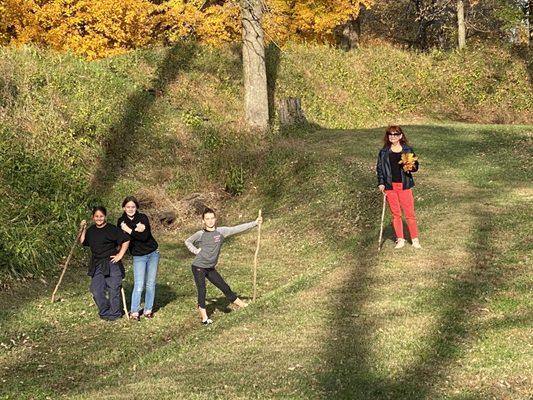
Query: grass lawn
[{"x": 335, "y": 319}]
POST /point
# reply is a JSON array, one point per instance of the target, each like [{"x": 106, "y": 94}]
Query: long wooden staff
[
  {"x": 82, "y": 227},
  {"x": 124, "y": 302},
  {"x": 255, "y": 258},
  {"x": 382, "y": 218}
]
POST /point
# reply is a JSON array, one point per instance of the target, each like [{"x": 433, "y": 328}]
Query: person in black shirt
[
  {"x": 143, "y": 248},
  {"x": 396, "y": 182},
  {"x": 108, "y": 245}
]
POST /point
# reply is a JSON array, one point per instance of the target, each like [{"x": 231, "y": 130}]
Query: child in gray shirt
[{"x": 206, "y": 244}]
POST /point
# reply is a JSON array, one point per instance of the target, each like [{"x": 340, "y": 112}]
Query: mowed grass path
[{"x": 334, "y": 319}]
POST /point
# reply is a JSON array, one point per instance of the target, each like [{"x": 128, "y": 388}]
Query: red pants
[{"x": 398, "y": 200}]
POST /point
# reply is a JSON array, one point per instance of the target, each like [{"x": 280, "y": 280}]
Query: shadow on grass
[
  {"x": 220, "y": 304},
  {"x": 351, "y": 372},
  {"x": 348, "y": 221},
  {"x": 125, "y": 132},
  {"x": 273, "y": 56},
  {"x": 79, "y": 342},
  {"x": 164, "y": 295},
  {"x": 525, "y": 54}
]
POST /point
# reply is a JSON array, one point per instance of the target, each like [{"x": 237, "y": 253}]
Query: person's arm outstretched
[
  {"x": 189, "y": 242},
  {"x": 227, "y": 231}
]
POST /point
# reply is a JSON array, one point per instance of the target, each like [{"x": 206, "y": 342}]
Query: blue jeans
[{"x": 144, "y": 271}]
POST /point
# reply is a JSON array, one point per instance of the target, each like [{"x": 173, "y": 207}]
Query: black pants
[
  {"x": 106, "y": 292},
  {"x": 214, "y": 277}
]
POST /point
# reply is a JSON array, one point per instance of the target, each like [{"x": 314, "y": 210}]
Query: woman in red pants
[{"x": 396, "y": 181}]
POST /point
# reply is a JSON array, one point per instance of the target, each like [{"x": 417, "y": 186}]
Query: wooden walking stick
[
  {"x": 82, "y": 227},
  {"x": 124, "y": 302},
  {"x": 382, "y": 218},
  {"x": 255, "y": 258}
]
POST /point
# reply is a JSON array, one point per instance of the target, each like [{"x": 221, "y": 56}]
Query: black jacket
[
  {"x": 141, "y": 243},
  {"x": 383, "y": 169}
]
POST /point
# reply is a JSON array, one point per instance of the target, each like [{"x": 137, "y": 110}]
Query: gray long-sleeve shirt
[{"x": 206, "y": 245}]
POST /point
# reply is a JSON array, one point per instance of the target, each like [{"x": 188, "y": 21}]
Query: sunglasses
[{"x": 395, "y": 134}]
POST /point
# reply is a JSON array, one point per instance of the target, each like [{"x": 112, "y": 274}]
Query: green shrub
[
  {"x": 236, "y": 180},
  {"x": 42, "y": 203}
]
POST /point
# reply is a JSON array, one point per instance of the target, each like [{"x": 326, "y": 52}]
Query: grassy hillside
[
  {"x": 165, "y": 123},
  {"x": 334, "y": 318}
]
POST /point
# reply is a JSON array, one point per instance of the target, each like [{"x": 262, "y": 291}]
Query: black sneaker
[{"x": 208, "y": 321}]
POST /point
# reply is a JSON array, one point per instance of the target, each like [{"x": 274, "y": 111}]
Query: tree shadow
[
  {"x": 525, "y": 54},
  {"x": 351, "y": 372},
  {"x": 124, "y": 134},
  {"x": 164, "y": 295},
  {"x": 273, "y": 59},
  {"x": 451, "y": 330},
  {"x": 79, "y": 341}
]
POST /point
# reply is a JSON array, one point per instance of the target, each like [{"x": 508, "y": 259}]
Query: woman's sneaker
[
  {"x": 208, "y": 321},
  {"x": 416, "y": 243},
  {"x": 135, "y": 316},
  {"x": 399, "y": 243}
]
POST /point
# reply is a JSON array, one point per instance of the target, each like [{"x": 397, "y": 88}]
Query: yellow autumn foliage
[
  {"x": 408, "y": 161},
  {"x": 102, "y": 28},
  {"x": 312, "y": 20}
]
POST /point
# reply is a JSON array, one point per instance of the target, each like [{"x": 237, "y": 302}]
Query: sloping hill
[
  {"x": 75, "y": 133},
  {"x": 334, "y": 319}
]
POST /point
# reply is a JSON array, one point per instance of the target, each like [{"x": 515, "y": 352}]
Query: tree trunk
[
  {"x": 290, "y": 111},
  {"x": 348, "y": 34},
  {"x": 422, "y": 36},
  {"x": 530, "y": 12},
  {"x": 254, "y": 70},
  {"x": 461, "y": 27},
  {"x": 421, "y": 33}
]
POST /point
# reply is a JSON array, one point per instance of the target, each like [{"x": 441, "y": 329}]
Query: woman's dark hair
[
  {"x": 101, "y": 209},
  {"x": 128, "y": 199},
  {"x": 393, "y": 129},
  {"x": 208, "y": 210}
]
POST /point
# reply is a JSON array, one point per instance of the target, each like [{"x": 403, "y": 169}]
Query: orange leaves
[
  {"x": 312, "y": 19},
  {"x": 220, "y": 24},
  {"x": 91, "y": 28},
  {"x": 102, "y": 28},
  {"x": 98, "y": 29},
  {"x": 408, "y": 161}
]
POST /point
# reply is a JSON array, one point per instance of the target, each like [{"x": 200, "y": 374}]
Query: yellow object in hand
[{"x": 408, "y": 161}]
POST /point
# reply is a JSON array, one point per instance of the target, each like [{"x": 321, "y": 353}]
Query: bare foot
[{"x": 240, "y": 303}]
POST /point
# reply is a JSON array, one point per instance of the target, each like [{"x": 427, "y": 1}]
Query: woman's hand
[
  {"x": 381, "y": 188},
  {"x": 140, "y": 227},
  {"x": 116, "y": 258},
  {"x": 125, "y": 228},
  {"x": 83, "y": 231},
  {"x": 408, "y": 167},
  {"x": 259, "y": 220}
]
